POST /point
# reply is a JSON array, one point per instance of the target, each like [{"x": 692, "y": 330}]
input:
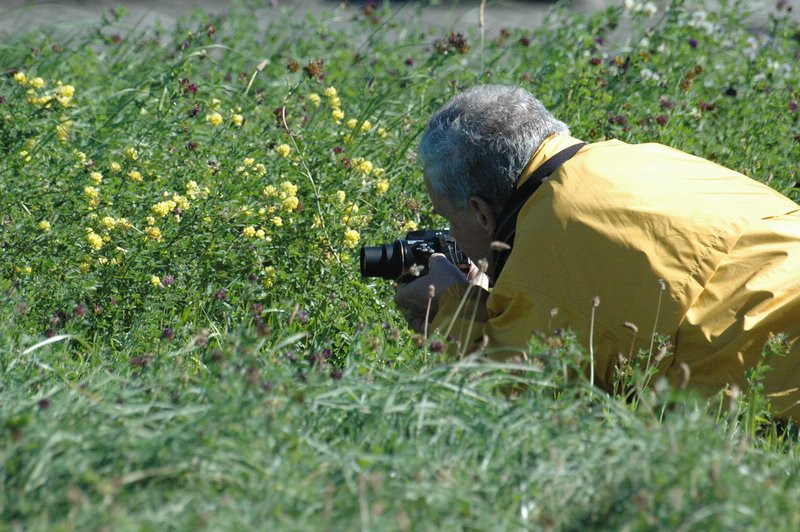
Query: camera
[{"x": 403, "y": 260}]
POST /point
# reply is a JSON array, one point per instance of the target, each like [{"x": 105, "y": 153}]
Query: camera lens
[{"x": 384, "y": 261}]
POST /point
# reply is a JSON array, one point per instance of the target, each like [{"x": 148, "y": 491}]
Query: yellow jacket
[{"x": 616, "y": 220}]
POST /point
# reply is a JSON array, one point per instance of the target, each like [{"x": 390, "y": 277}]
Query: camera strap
[{"x": 507, "y": 228}]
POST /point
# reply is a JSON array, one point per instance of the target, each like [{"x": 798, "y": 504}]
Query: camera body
[{"x": 404, "y": 260}]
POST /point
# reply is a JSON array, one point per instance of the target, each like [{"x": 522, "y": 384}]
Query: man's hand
[{"x": 413, "y": 298}]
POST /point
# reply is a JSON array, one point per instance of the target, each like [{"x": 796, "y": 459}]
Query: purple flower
[
  {"x": 793, "y": 106},
  {"x": 167, "y": 333},
  {"x": 693, "y": 42},
  {"x": 662, "y": 119},
  {"x": 168, "y": 280}
]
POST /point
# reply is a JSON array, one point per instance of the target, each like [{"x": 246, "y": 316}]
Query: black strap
[{"x": 507, "y": 228}]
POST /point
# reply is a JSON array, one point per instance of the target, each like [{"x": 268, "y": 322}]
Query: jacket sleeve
[{"x": 465, "y": 319}]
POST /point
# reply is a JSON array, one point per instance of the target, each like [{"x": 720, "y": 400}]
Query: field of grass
[{"x": 185, "y": 340}]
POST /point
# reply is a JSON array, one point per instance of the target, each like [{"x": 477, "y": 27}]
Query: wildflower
[
  {"x": 283, "y": 150},
  {"x": 290, "y": 203},
  {"x": 62, "y": 130},
  {"x": 20, "y": 78},
  {"x": 123, "y": 223},
  {"x": 95, "y": 240},
  {"x": 276, "y": 221},
  {"x": 261, "y": 234},
  {"x": 130, "y": 153},
  {"x": 214, "y": 118},
  {"x": 96, "y": 177},
  {"x": 289, "y": 188},
  {"x": 114, "y": 167},
  {"x": 150, "y": 220},
  {"x": 269, "y": 277},
  {"x": 364, "y": 166},
  {"x": 314, "y": 99},
  {"x": 693, "y": 42},
  {"x": 381, "y": 132},
  {"x": 337, "y": 115},
  {"x": 44, "y": 225},
  {"x": 249, "y": 231},
  {"x": 270, "y": 191},
  {"x": 135, "y": 175},
  {"x": 793, "y": 106},
  {"x": 162, "y": 208},
  {"x": 366, "y": 125},
  {"x": 351, "y": 124},
  {"x": 314, "y": 69},
  {"x": 155, "y": 281},
  {"x": 91, "y": 192},
  {"x": 168, "y": 280},
  {"x": 340, "y": 196},
  {"x": 410, "y": 225},
  {"x": 237, "y": 120},
  {"x": 109, "y": 222},
  {"x": 330, "y": 92},
  {"x": 381, "y": 186},
  {"x": 191, "y": 189},
  {"x": 153, "y": 233},
  {"x": 351, "y": 238},
  {"x": 36, "y": 83},
  {"x": 215, "y": 104}
]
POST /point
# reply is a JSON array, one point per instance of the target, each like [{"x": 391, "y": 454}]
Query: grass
[{"x": 210, "y": 366}]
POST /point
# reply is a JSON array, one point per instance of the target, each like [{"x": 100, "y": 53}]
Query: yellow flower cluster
[
  {"x": 135, "y": 175},
  {"x": 283, "y": 150},
  {"x": 192, "y": 191},
  {"x": 153, "y": 233},
  {"x": 362, "y": 165},
  {"x": 381, "y": 186},
  {"x": 251, "y": 232},
  {"x": 351, "y": 238},
  {"x": 314, "y": 99},
  {"x": 62, "y": 130},
  {"x": 366, "y": 125},
  {"x": 62, "y": 94},
  {"x": 93, "y": 193},
  {"x": 95, "y": 240},
  {"x": 287, "y": 194},
  {"x": 156, "y": 281},
  {"x": 214, "y": 119},
  {"x": 336, "y": 104},
  {"x": 44, "y": 225},
  {"x": 270, "y": 274}
]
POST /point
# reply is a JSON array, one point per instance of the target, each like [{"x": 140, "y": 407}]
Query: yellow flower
[
  {"x": 91, "y": 192},
  {"x": 362, "y": 165},
  {"x": 123, "y": 223},
  {"x": 214, "y": 118},
  {"x": 153, "y": 233},
  {"x": 337, "y": 115},
  {"x": 351, "y": 238},
  {"x": 150, "y": 220},
  {"x": 162, "y": 208},
  {"x": 366, "y": 125},
  {"x": 314, "y": 99},
  {"x": 276, "y": 221},
  {"x": 97, "y": 177},
  {"x": 20, "y": 78},
  {"x": 237, "y": 120},
  {"x": 115, "y": 167},
  {"x": 62, "y": 130},
  {"x": 84, "y": 267},
  {"x": 191, "y": 189},
  {"x": 269, "y": 276},
  {"x": 316, "y": 222},
  {"x": 351, "y": 124},
  {"x": 381, "y": 132},
  {"x": 95, "y": 240},
  {"x": 249, "y": 231},
  {"x": 135, "y": 175},
  {"x": 181, "y": 201},
  {"x": 248, "y": 161},
  {"x": 215, "y": 104},
  {"x": 283, "y": 150},
  {"x": 330, "y": 92},
  {"x": 131, "y": 153},
  {"x": 290, "y": 203},
  {"x": 36, "y": 83},
  {"x": 270, "y": 191},
  {"x": 340, "y": 196},
  {"x": 335, "y": 102},
  {"x": 109, "y": 222},
  {"x": 381, "y": 186},
  {"x": 289, "y": 188},
  {"x": 155, "y": 281},
  {"x": 64, "y": 95},
  {"x": 410, "y": 225},
  {"x": 261, "y": 169},
  {"x": 44, "y": 225}
]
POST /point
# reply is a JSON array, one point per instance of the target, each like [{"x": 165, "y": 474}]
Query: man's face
[{"x": 465, "y": 227}]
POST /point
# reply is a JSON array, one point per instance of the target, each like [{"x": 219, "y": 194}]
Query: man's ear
[{"x": 483, "y": 213}]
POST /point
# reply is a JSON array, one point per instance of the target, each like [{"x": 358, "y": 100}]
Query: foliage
[{"x": 186, "y": 341}]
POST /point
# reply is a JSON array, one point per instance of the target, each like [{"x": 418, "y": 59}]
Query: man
[{"x": 602, "y": 236}]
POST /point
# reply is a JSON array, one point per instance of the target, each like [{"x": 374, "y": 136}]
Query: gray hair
[{"x": 481, "y": 140}]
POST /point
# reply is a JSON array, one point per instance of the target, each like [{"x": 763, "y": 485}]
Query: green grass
[{"x": 258, "y": 382}]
